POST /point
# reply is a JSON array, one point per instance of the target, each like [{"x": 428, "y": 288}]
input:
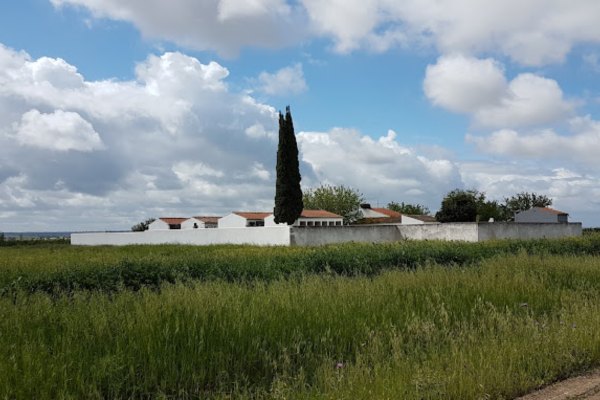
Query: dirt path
[{"x": 580, "y": 387}]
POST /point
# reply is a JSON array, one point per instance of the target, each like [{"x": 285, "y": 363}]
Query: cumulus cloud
[
  {"x": 478, "y": 87},
  {"x": 286, "y": 81},
  {"x": 225, "y": 26},
  {"x": 60, "y": 131},
  {"x": 382, "y": 169},
  {"x": 535, "y": 32},
  {"x": 174, "y": 140},
  {"x": 581, "y": 146}
]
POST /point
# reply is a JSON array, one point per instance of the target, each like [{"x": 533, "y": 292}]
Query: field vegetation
[{"x": 404, "y": 320}]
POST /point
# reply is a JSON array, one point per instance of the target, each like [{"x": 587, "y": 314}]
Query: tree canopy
[
  {"x": 409, "y": 209},
  {"x": 524, "y": 201},
  {"x": 341, "y": 200},
  {"x": 459, "y": 206},
  {"x": 143, "y": 226},
  {"x": 288, "y": 193}
]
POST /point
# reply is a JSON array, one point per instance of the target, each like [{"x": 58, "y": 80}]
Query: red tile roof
[
  {"x": 208, "y": 220},
  {"x": 319, "y": 214},
  {"x": 173, "y": 221},
  {"x": 551, "y": 210},
  {"x": 253, "y": 215},
  {"x": 387, "y": 212},
  {"x": 379, "y": 221}
]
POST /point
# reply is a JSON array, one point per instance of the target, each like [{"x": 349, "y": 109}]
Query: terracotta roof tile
[
  {"x": 319, "y": 214},
  {"x": 387, "y": 212},
  {"x": 173, "y": 221},
  {"x": 379, "y": 221},
  {"x": 208, "y": 220},
  {"x": 551, "y": 210},
  {"x": 253, "y": 215}
]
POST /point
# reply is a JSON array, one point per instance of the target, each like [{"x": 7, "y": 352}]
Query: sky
[{"x": 112, "y": 111}]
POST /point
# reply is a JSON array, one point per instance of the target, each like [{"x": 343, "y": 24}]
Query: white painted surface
[
  {"x": 406, "y": 220},
  {"x": 536, "y": 215},
  {"x": 232, "y": 221},
  {"x": 262, "y": 236},
  {"x": 270, "y": 221},
  {"x": 369, "y": 213},
  {"x": 189, "y": 224},
  {"x": 158, "y": 225}
]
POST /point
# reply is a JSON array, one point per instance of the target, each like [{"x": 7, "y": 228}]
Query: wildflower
[
  {"x": 536, "y": 323},
  {"x": 340, "y": 365},
  {"x": 543, "y": 326},
  {"x": 524, "y": 305},
  {"x": 574, "y": 325},
  {"x": 562, "y": 323}
]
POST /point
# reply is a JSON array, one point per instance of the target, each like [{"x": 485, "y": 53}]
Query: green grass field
[{"x": 406, "y": 320}]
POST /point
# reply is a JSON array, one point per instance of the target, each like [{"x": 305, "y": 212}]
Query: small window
[
  {"x": 317, "y": 223},
  {"x": 175, "y": 226},
  {"x": 251, "y": 223},
  {"x": 310, "y": 223},
  {"x": 331, "y": 223},
  {"x": 338, "y": 223},
  {"x": 260, "y": 223},
  {"x": 302, "y": 223}
]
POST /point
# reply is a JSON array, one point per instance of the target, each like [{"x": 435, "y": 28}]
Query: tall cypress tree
[{"x": 288, "y": 194}]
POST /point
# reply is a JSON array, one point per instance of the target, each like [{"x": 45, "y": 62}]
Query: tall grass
[
  {"x": 495, "y": 330},
  {"x": 64, "y": 268}
]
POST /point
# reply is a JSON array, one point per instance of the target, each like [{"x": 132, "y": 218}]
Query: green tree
[
  {"x": 524, "y": 201},
  {"x": 491, "y": 209},
  {"x": 288, "y": 193},
  {"x": 460, "y": 206},
  {"x": 341, "y": 200},
  {"x": 409, "y": 209},
  {"x": 1, "y": 236},
  {"x": 142, "y": 226}
]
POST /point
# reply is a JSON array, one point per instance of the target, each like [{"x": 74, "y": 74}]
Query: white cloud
[
  {"x": 478, "y": 87},
  {"x": 286, "y": 81},
  {"x": 382, "y": 169},
  {"x": 465, "y": 84},
  {"x": 60, "y": 131},
  {"x": 225, "y": 26},
  {"x": 535, "y": 32},
  {"x": 572, "y": 192},
  {"x": 581, "y": 146},
  {"x": 173, "y": 141},
  {"x": 593, "y": 60}
]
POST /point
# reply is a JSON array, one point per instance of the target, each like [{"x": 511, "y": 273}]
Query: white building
[
  {"x": 256, "y": 219},
  {"x": 166, "y": 224},
  {"x": 541, "y": 215},
  {"x": 200, "y": 223},
  {"x": 243, "y": 219},
  {"x": 418, "y": 219},
  {"x": 312, "y": 218},
  {"x": 369, "y": 212}
]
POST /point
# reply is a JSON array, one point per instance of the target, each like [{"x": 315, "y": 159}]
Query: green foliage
[
  {"x": 524, "y": 201},
  {"x": 409, "y": 209},
  {"x": 288, "y": 193},
  {"x": 69, "y": 269},
  {"x": 499, "y": 329},
  {"x": 143, "y": 226},
  {"x": 460, "y": 206},
  {"x": 1, "y": 237},
  {"x": 341, "y": 200}
]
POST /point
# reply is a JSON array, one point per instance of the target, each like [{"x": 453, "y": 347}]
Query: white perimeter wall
[
  {"x": 263, "y": 236},
  {"x": 232, "y": 221}
]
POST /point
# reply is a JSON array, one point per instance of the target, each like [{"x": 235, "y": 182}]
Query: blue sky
[{"x": 112, "y": 112}]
